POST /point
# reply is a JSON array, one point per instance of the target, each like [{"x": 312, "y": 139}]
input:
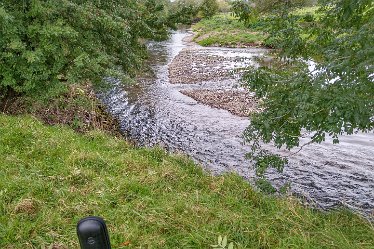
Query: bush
[
  {"x": 183, "y": 12},
  {"x": 242, "y": 10},
  {"x": 209, "y": 8},
  {"x": 46, "y": 43},
  {"x": 248, "y": 11}
]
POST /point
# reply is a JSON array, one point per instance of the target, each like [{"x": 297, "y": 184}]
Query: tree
[
  {"x": 45, "y": 44},
  {"x": 249, "y": 10},
  {"x": 243, "y": 10},
  {"x": 183, "y": 12},
  {"x": 209, "y": 8},
  {"x": 334, "y": 98}
]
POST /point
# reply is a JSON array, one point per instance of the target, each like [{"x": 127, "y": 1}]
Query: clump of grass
[{"x": 52, "y": 176}]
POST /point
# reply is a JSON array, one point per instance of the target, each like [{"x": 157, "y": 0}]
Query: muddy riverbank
[{"x": 156, "y": 112}]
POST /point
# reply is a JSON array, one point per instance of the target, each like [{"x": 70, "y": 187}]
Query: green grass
[
  {"x": 225, "y": 30},
  {"x": 52, "y": 176}
]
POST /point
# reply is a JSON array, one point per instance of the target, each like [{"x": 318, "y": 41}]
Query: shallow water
[{"x": 154, "y": 112}]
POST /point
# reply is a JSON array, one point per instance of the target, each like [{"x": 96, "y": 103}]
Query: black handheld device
[{"x": 93, "y": 233}]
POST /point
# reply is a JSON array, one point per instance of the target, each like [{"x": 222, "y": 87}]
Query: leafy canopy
[{"x": 335, "y": 97}]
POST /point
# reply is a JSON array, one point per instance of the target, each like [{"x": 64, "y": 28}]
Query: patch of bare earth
[
  {"x": 26, "y": 206},
  {"x": 78, "y": 108},
  {"x": 238, "y": 102}
]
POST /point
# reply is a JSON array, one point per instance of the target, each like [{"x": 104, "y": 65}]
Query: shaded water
[{"x": 154, "y": 112}]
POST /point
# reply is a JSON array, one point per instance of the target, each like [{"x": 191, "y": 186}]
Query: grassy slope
[
  {"x": 51, "y": 176},
  {"x": 225, "y": 30}
]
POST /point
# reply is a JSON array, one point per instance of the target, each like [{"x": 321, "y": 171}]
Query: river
[{"x": 155, "y": 112}]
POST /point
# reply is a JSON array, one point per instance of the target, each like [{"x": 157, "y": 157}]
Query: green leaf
[
  {"x": 219, "y": 240},
  {"x": 231, "y": 246},
  {"x": 224, "y": 242}
]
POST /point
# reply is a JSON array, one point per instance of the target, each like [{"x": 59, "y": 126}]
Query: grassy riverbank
[
  {"x": 52, "y": 176},
  {"x": 224, "y": 30}
]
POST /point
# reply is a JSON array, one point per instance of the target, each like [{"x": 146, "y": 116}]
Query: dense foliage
[
  {"x": 183, "y": 12},
  {"x": 191, "y": 11},
  {"x": 331, "y": 98},
  {"x": 243, "y": 10},
  {"x": 45, "y": 43},
  {"x": 209, "y": 8},
  {"x": 248, "y": 11}
]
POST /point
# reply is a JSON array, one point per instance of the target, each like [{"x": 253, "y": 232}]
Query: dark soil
[{"x": 78, "y": 108}]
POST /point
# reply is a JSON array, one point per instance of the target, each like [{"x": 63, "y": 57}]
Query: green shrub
[
  {"x": 46, "y": 43},
  {"x": 183, "y": 12},
  {"x": 209, "y": 8},
  {"x": 249, "y": 11}
]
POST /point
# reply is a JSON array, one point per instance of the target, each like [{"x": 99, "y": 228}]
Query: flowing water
[{"x": 154, "y": 112}]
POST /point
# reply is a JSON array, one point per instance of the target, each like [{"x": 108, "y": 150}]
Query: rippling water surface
[{"x": 154, "y": 112}]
